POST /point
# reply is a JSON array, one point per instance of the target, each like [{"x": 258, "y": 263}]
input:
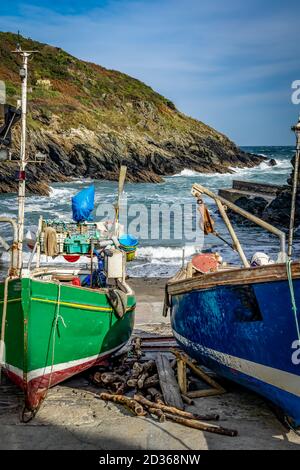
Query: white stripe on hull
[
  {"x": 58, "y": 367},
  {"x": 278, "y": 378}
]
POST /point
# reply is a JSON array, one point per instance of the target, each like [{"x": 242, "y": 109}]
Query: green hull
[{"x": 54, "y": 331}]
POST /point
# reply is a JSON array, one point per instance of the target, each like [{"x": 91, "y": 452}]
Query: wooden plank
[
  {"x": 189, "y": 270},
  {"x": 200, "y": 373},
  {"x": 236, "y": 242},
  {"x": 181, "y": 375},
  {"x": 168, "y": 383},
  {"x": 122, "y": 177},
  {"x": 204, "y": 377},
  {"x": 256, "y": 187}
]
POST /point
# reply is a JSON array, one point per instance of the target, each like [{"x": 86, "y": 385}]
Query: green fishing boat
[{"x": 58, "y": 321}]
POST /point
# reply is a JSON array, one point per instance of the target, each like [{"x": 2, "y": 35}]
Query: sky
[{"x": 229, "y": 63}]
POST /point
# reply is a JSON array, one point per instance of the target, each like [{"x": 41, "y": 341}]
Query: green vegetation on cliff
[{"x": 88, "y": 120}]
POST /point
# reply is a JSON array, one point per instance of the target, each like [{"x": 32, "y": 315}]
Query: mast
[
  {"x": 23, "y": 160},
  {"x": 296, "y": 129},
  {"x": 22, "y": 174}
]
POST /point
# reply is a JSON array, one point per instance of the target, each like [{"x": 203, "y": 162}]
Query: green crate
[{"x": 77, "y": 244}]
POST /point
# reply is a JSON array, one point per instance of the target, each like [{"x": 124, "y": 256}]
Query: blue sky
[{"x": 228, "y": 63}]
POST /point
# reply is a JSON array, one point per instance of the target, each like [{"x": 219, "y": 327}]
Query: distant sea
[{"x": 159, "y": 257}]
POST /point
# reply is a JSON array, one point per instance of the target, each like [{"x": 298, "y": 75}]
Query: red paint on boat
[
  {"x": 36, "y": 389},
  {"x": 71, "y": 258}
]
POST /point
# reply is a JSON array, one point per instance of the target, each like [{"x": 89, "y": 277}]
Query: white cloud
[{"x": 202, "y": 53}]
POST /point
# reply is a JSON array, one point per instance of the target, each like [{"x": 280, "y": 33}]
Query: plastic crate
[{"x": 77, "y": 244}]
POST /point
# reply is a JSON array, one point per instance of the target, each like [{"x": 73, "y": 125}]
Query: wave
[
  {"x": 234, "y": 171},
  {"x": 186, "y": 172},
  {"x": 62, "y": 192},
  {"x": 162, "y": 252},
  {"x": 282, "y": 163},
  {"x": 82, "y": 181}
]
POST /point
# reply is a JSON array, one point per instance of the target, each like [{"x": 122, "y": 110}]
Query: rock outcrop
[{"x": 276, "y": 212}]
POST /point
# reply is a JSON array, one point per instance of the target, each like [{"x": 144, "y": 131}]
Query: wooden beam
[
  {"x": 210, "y": 392},
  {"x": 191, "y": 423},
  {"x": 168, "y": 383},
  {"x": 216, "y": 388},
  {"x": 181, "y": 375},
  {"x": 233, "y": 235}
]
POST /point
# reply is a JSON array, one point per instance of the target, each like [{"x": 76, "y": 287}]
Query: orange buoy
[
  {"x": 205, "y": 262},
  {"x": 76, "y": 281}
]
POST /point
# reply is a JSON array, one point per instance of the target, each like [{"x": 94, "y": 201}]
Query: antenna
[
  {"x": 23, "y": 160},
  {"x": 18, "y": 47}
]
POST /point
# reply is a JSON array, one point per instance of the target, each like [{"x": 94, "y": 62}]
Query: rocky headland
[{"x": 87, "y": 120}]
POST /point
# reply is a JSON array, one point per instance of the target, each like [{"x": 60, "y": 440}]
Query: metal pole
[
  {"x": 22, "y": 182},
  {"x": 235, "y": 239},
  {"x": 183, "y": 257},
  {"x": 91, "y": 266},
  {"x": 294, "y": 190}
]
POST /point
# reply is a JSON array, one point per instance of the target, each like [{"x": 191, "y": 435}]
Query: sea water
[{"x": 161, "y": 257}]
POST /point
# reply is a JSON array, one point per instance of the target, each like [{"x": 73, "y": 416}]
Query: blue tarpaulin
[{"x": 83, "y": 204}]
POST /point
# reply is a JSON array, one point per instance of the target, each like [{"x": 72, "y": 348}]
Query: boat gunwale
[
  {"x": 34, "y": 276},
  {"x": 241, "y": 276},
  {"x": 84, "y": 306},
  {"x": 100, "y": 290}
]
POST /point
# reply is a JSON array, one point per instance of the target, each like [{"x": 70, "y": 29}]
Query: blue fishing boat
[{"x": 242, "y": 322}]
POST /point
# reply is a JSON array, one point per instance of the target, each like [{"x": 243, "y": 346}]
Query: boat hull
[
  {"x": 53, "y": 333},
  {"x": 246, "y": 333}
]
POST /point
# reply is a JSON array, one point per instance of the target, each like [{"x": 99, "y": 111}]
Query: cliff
[{"x": 88, "y": 120}]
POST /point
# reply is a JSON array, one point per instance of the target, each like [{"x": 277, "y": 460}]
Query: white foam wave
[
  {"x": 234, "y": 171},
  {"x": 187, "y": 172},
  {"x": 82, "y": 181},
  {"x": 237, "y": 171},
  {"x": 283, "y": 163},
  {"x": 58, "y": 193},
  {"x": 162, "y": 252}
]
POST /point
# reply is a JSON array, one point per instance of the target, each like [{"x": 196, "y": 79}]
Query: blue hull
[{"x": 246, "y": 333}]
